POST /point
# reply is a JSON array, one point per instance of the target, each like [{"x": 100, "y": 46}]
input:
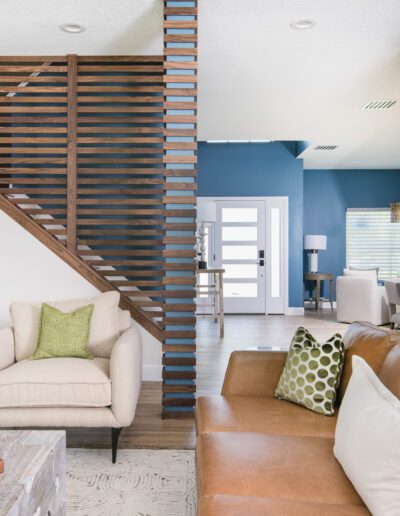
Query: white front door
[{"x": 240, "y": 250}]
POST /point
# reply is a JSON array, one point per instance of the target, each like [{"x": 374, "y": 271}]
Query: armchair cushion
[
  {"x": 7, "y": 352},
  {"x": 104, "y": 325},
  {"x": 56, "y": 382}
]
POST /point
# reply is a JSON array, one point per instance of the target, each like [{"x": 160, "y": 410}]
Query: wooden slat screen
[
  {"x": 81, "y": 152},
  {"x": 33, "y": 136},
  {"x": 180, "y": 147},
  {"x": 98, "y": 160},
  {"x": 120, "y": 175}
]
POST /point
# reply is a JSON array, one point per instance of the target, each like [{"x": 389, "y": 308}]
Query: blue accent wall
[
  {"x": 327, "y": 195},
  {"x": 259, "y": 169}
]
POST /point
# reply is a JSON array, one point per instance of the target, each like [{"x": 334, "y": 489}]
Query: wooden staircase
[{"x": 98, "y": 162}]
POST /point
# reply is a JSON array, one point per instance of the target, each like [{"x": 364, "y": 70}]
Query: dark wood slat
[
  {"x": 114, "y": 68},
  {"x": 180, "y": 65},
  {"x": 32, "y": 59},
  {"x": 72, "y": 153},
  {"x": 180, "y": 51},
  {"x": 120, "y": 59},
  {"x": 33, "y": 130},
  {"x": 134, "y": 79},
  {"x": 180, "y": 92},
  {"x": 120, "y": 89}
]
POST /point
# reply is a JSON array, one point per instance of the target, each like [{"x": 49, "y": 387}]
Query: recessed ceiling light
[
  {"x": 303, "y": 24},
  {"x": 72, "y": 28}
]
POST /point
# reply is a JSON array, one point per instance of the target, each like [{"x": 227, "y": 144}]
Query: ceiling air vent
[
  {"x": 379, "y": 104},
  {"x": 325, "y": 147}
]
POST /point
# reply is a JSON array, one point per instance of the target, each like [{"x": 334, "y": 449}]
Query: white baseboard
[
  {"x": 295, "y": 310},
  {"x": 324, "y": 304},
  {"x": 151, "y": 373}
]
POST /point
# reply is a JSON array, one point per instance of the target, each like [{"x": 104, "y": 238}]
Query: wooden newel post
[{"x": 71, "y": 151}]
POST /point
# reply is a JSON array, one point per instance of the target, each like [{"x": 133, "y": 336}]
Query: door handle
[{"x": 261, "y": 263}]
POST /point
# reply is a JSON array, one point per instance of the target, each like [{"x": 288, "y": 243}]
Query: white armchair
[
  {"x": 393, "y": 294},
  {"x": 360, "y": 298},
  {"x": 73, "y": 392}
]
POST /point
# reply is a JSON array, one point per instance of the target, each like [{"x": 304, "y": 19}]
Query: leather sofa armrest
[
  {"x": 253, "y": 373},
  {"x": 7, "y": 349},
  {"x": 126, "y": 375}
]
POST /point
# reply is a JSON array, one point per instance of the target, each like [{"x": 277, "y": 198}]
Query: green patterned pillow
[
  {"x": 63, "y": 335},
  {"x": 312, "y": 372}
]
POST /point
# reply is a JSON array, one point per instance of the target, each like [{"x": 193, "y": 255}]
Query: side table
[
  {"x": 33, "y": 480},
  {"x": 317, "y": 277}
]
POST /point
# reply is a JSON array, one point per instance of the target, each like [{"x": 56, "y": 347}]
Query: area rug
[{"x": 141, "y": 483}]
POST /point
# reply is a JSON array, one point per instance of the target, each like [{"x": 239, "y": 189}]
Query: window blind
[{"x": 372, "y": 240}]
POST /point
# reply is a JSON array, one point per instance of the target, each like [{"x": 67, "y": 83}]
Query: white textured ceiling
[
  {"x": 31, "y": 27},
  {"x": 258, "y": 78}
]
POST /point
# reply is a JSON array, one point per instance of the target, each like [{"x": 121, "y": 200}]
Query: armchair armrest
[
  {"x": 7, "y": 351},
  {"x": 253, "y": 373},
  {"x": 126, "y": 375}
]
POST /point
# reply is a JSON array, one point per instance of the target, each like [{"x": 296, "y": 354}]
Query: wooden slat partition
[
  {"x": 120, "y": 175},
  {"x": 98, "y": 161},
  {"x": 33, "y": 135},
  {"x": 180, "y": 159}
]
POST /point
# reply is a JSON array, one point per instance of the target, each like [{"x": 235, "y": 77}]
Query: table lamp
[{"x": 314, "y": 243}]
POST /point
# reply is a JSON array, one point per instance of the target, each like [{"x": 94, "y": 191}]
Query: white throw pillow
[
  {"x": 104, "y": 324},
  {"x": 367, "y": 440},
  {"x": 361, "y": 273}
]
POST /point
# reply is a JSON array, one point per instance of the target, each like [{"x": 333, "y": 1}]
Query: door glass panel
[
  {"x": 239, "y": 252},
  {"x": 275, "y": 252},
  {"x": 240, "y": 290},
  {"x": 240, "y": 270},
  {"x": 242, "y": 234},
  {"x": 239, "y": 214}
]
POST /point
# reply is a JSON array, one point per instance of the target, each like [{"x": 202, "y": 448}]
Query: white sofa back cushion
[
  {"x": 367, "y": 440},
  {"x": 104, "y": 325},
  {"x": 371, "y": 273}
]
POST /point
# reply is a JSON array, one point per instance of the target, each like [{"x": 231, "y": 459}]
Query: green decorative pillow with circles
[{"x": 312, "y": 372}]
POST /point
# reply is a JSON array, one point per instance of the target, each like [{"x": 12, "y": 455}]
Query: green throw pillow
[
  {"x": 63, "y": 335},
  {"x": 312, "y": 372}
]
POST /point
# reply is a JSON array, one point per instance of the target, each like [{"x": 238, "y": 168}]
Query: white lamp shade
[{"x": 317, "y": 242}]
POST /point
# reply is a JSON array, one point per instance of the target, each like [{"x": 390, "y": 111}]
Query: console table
[
  {"x": 317, "y": 277},
  {"x": 33, "y": 480}
]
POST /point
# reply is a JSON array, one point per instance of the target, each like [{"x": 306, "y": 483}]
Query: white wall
[{"x": 31, "y": 272}]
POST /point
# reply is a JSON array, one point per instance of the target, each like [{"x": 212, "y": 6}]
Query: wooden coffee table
[{"x": 33, "y": 481}]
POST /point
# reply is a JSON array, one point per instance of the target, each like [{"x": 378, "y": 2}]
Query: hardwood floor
[{"x": 241, "y": 332}]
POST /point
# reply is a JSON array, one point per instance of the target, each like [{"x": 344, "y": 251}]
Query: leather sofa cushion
[
  {"x": 261, "y": 415},
  {"x": 251, "y": 506},
  {"x": 389, "y": 373},
  {"x": 301, "y": 469},
  {"x": 56, "y": 382},
  {"x": 370, "y": 343}
]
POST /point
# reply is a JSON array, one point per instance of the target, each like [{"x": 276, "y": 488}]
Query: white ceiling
[{"x": 258, "y": 78}]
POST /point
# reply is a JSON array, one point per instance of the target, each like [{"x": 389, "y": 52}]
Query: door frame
[{"x": 281, "y": 202}]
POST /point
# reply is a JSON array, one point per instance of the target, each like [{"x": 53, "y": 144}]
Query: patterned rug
[{"x": 141, "y": 483}]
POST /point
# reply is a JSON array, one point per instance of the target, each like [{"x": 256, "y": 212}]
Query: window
[{"x": 372, "y": 240}]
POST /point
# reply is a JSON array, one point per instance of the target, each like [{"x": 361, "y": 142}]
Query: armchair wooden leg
[{"x": 115, "y": 433}]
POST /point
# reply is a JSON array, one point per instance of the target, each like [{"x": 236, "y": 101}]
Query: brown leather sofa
[{"x": 257, "y": 455}]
